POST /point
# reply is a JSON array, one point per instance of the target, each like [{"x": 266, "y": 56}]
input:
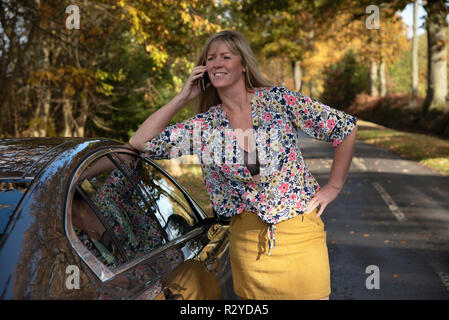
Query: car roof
[{"x": 23, "y": 158}]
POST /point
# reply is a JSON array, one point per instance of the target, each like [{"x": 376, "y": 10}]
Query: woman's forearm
[
  {"x": 156, "y": 122},
  {"x": 103, "y": 165},
  {"x": 342, "y": 160}
]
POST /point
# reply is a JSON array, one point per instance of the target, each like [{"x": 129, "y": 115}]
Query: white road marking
[
  {"x": 390, "y": 202},
  {"x": 444, "y": 276},
  {"x": 359, "y": 163}
]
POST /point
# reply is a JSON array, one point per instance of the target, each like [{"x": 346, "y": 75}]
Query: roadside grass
[{"x": 427, "y": 150}]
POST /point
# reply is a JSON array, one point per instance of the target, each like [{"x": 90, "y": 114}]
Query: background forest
[{"x": 129, "y": 57}]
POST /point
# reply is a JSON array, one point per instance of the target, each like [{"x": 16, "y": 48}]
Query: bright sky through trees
[{"x": 407, "y": 17}]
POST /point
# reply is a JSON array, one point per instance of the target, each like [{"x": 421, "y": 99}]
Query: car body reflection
[{"x": 39, "y": 241}]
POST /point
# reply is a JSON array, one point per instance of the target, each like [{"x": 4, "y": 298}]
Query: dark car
[{"x": 91, "y": 219}]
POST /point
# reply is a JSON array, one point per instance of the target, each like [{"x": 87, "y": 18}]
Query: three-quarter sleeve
[
  {"x": 317, "y": 119},
  {"x": 176, "y": 140}
]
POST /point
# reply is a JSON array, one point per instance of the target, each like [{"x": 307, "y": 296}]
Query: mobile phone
[{"x": 204, "y": 80}]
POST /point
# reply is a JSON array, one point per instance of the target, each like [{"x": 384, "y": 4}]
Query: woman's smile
[{"x": 219, "y": 75}]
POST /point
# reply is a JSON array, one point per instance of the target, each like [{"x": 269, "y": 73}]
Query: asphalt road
[
  {"x": 391, "y": 220},
  {"x": 388, "y": 230}
]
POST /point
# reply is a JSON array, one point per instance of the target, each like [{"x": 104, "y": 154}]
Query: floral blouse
[{"x": 286, "y": 185}]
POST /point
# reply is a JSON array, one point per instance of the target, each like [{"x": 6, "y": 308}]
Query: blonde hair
[{"x": 238, "y": 45}]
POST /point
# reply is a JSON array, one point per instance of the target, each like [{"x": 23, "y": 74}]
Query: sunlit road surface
[{"x": 392, "y": 214}]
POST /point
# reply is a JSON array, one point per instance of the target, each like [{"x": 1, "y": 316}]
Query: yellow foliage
[
  {"x": 69, "y": 90},
  {"x": 157, "y": 23},
  {"x": 389, "y": 42}
]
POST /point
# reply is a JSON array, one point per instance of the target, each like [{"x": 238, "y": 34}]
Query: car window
[
  {"x": 11, "y": 192},
  {"x": 127, "y": 207},
  {"x": 176, "y": 215}
]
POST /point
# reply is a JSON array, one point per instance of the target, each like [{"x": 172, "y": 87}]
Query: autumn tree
[
  {"x": 13, "y": 60},
  {"x": 313, "y": 35},
  {"x": 126, "y": 59},
  {"x": 436, "y": 26},
  {"x": 284, "y": 31},
  {"x": 413, "y": 100}
]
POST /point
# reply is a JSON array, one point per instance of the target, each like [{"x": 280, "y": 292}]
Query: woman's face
[{"x": 224, "y": 67}]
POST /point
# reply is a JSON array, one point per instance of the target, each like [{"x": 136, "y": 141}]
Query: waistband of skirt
[{"x": 271, "y": 229}]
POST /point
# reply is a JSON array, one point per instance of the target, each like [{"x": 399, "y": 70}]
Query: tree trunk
[
  {"x": 67, "y": 115},
  {"x": 437, "y": 54},
  {"x": 281, "y": 66},
  {"x": 297, "y": 75},
  {"x": 415, "y": 51},
  {"x": 83, "y": 114},
  {"x": 373, "y": 79},
  {"x": 44, "y": 116},
  {"x": 382, "y": 75},
  {"x": 311, "y": 88},
  {"x": 413, "y": 101},
  {"x": 34, "y": 123},
  {"x": 383, "y": 80}
]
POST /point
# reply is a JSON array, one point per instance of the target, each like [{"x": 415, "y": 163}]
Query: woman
[{"x": 245, "y": 138}]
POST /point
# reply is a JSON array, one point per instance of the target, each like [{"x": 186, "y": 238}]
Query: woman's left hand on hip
[{"x": 322, "y": 198}]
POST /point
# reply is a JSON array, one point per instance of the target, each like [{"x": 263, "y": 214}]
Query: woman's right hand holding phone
[
  {"x": 159, "y": 119},
  {"x": 191, "y": 89}
]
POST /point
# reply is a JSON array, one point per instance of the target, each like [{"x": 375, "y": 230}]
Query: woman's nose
[{"x": 217, "y": 62}]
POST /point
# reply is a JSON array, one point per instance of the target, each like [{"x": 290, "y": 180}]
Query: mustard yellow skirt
[{"x": 298, "y": 267}]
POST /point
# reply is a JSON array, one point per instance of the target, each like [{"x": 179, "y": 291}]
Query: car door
[{"x": 140, "y": 235}]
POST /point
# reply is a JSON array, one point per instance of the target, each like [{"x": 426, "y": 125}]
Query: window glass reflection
[
  {"x": 11, "y": 193},
  {"x": 126, "y": 207}
]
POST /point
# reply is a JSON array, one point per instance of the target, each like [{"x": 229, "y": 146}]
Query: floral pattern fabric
[
  {"x": 286, "y": 185},
  {"x": 122, "y": 207},
  {"x": 131, "y": 221}
]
